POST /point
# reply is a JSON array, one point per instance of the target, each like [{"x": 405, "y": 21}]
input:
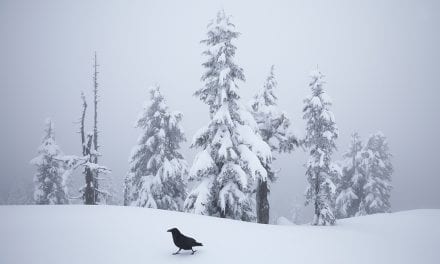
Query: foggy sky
[{"x": 380, "y": 58}]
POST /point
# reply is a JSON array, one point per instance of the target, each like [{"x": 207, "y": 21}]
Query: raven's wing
[{"x": 188, "y": 240}]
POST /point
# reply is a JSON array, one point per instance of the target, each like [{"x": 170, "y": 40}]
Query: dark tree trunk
[
  {"x": 222, "y": 214},
  {"x": 262, "y": 202},
  {"x": 89, "y": 190},
  {"x": 95, "y": 125},
  {"x": 317, "y": 210}
]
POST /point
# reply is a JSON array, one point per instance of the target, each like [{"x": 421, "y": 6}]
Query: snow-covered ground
[{"x": 104, "y": 234}]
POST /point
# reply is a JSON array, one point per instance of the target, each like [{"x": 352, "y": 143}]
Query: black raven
[{"x": 183, "y": 242}]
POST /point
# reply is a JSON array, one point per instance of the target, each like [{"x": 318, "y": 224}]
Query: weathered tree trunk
[
  {"x": 317, "y": 209},
  {"x": 83, "y": 116},
  {"x": 95, "y": 126},
  {"x": 262, "y": 202},
  {"x": 89, "y": 190}
]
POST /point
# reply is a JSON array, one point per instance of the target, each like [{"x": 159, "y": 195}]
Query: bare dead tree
[
  {"x": 89, "y": 193},
  {"x": 95, "y": 101},
  {"x": 95, "y": 123},
  {"x": 89, "y": 145}
]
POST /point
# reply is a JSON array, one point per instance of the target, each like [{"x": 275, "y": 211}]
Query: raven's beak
[{"x": 169, "y": 230}]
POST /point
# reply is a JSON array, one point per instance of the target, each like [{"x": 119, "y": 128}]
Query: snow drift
[{"x": 104, "y": 234}]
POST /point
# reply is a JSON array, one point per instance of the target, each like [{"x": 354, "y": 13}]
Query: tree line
[{"x": 232, "y": 172}]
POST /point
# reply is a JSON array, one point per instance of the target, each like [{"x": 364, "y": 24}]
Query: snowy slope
[{"x": 98, "y": 234}]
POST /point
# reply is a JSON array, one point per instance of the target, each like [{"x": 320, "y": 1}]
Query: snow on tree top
[
  {"x": 316, "y": 82},
  {"x": 221, "y": 23}
]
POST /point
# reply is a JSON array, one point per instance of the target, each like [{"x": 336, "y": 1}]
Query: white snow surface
[{"x": 106, "y": 234}]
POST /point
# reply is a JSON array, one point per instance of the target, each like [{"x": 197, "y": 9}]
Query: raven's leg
[
  {"x": 193, "y": 251},
  {"x": 177, "y": 252}
]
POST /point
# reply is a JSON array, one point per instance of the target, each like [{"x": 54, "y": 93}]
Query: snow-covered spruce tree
[
  {"x": 378, "y": 171},
  {"x": 349, "y": 190},
  {"x": 272, "y": 126},
  {"x": 157, "y": 175},
  {"x": 50, "y": 187},
  {"x": 233, "y": 156},
  {"x": 321, "y": 133}
]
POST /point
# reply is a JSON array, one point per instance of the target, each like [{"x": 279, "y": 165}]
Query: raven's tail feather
[{"x": 197, "y": 244}]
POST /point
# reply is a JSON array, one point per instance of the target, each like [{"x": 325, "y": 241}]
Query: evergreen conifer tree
[
  {"x": 157, "y": 174},
  {"x": 349, "y": 189},
  {"x": 321, "y": 133},
  {"x": 378, "y": 170},
  {"x": 272, "y": 125},
  {"x": 233, "y": 156},
  {"x": 50, "y": 187}
]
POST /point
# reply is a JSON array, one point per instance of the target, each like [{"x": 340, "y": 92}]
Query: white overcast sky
[{"x": 381, "y": 59}]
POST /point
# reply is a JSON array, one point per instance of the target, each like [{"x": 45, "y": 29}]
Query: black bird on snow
[{"x": 183, "y": 242}]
